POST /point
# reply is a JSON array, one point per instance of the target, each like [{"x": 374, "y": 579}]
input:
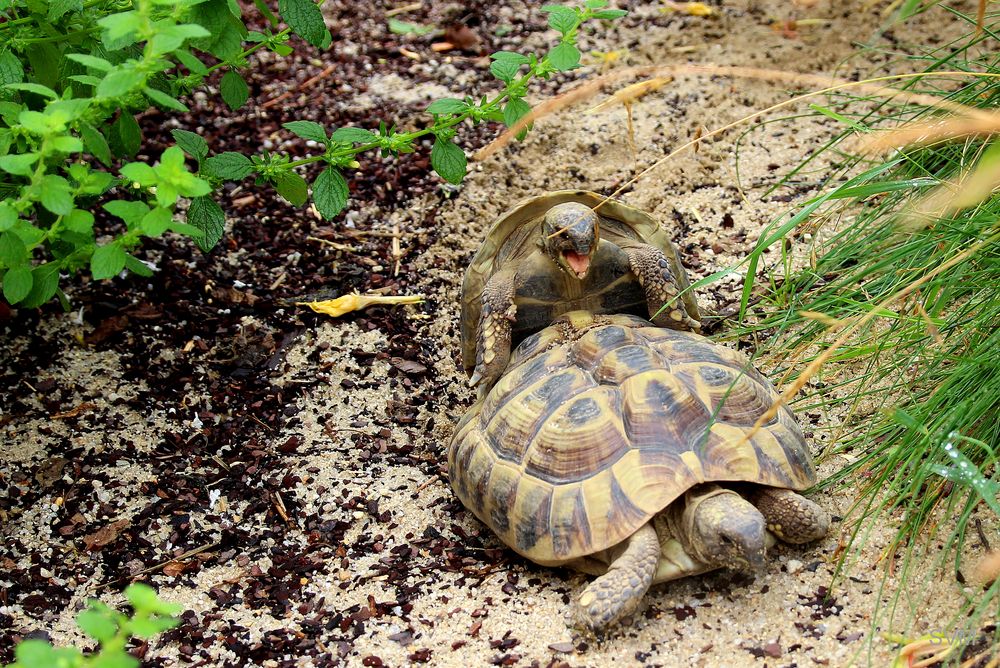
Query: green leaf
[
  {"x": 156, "y": 222},
  {"x": 194, "y": 65},
  {"x": 126, "y": 137},
  {"x": 564, "y": 57},
  {"x": 563, "y": 19},
  {"x": 305, "y": 19},
  {"x": 8, "y": 215},
  {"x": 595, "y": 4},
  {"x": 45, "y": 60},
  {"x": 307, "y": 130},
  {"x": 610, "y": 14},
  {"x": 137, "y": 267},
  {"x": 192, "y": 144},
  {"x": 448, "y": 160},
  {"x": 505, "y": 69},
  {"x": 398, "y": 27},
  {"x": 162, "y": 99},
  {"x": 330, "y": 192},
  {"x": 107, "y": 261},
  {"x": 447, "y": 105},
  {"x": 95, "y": 143},
  {"x": 85, "y": 79},
  {"x": 97, "y": 625},
  {"x": 120, "y": 81},
  {"x": 19, "y": 164},
  {"x": 206, "y": 215},
  {"x": 12, "y": 250},
  {"x": 140, "y": 173},
  {"x": 234, "y": 90},
  {"x": 292, "y": 187},
  {"x": 11, "y": 70},
  {"x": 44, "y": 283},
  {"x": 34, "y": 652},
  {"x": 118, "y": 27},
  {"x": 128, "y": 210},
  {"x": 37, "y": 89},
  {"x": 510, "y": 57},
  {"x": 513, "y": 111},
  {"x": 66, "y": 144},
  {"x": 229, "y": 165},
  {"x": 90, "y": 61},
  {"x": 353, "y": 136},
  {"x": 17, "y": 284},
  {"x": 57, "y": 195}
]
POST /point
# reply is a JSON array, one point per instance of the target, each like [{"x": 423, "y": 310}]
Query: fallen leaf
[
  {"x": 355, "y": 302},
  {"x": 174, "y": 568},
  {"x": 50, "y": 470},
  {"x": 564, "y": 647},
  {"x": 108, "y": 327},
  {"x": 105, "y": 535},
  {"x": 73, "y": 412},
  {"x": 691, "y": 8},
  {"x": 462, "y": 37},
  {"x": 408, "y": 366}
]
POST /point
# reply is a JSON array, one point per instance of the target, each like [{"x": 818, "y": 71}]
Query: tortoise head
[
  {"x": 721, "y": 528},
  {"x": 570, "y": 234}
]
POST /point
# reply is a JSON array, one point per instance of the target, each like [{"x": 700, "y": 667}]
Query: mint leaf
[
  {"x": 513, "y": 111},
  {"x": 107, "y": 261},
  {"x": 353, "y": 136},
  {"x": 126, "y": 137},
  {"x": 307, "y": 130},
  {"x": 161, "y": 99},
  {"x": 57, "y": 196},
  {"x": 447, "y": 105},
  {"x": 44, "y": 283},
  {"x": 305, "y": 19},
  {"x": 206, "y": 215},
  {"x": 17, "y": 284},
  {"x": 97, "y": 625},
  {"x": 448, "y": 160},
  {"x": 120, "y": 81},
  {"x": 234, "y": 89},
  {"x": 563, "y": 19},
  {"x": 564, "y": 57},
  {"x": 610, "y": 14},
  {"x": 192, "y": 144},
  {"x": 292, "y": 187},
  {"x": 95, "y": 143},
  {"x": 510, "y": 56},
  {"x": 229, "y": 165},
  {"x": 330, "y": 192}
]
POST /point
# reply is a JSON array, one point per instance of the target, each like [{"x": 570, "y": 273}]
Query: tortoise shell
[
  {"x": 514, "y": 241},
  {"x": 600, "y": 422}
]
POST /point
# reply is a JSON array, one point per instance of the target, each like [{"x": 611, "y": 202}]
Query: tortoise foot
[{"x": 790, "y": 516}]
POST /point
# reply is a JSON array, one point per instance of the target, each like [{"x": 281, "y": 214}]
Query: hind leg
[{"x": 790, "y": 516}]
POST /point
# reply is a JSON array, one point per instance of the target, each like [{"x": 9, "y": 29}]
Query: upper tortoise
[
  {"x": 619, "y": 448},
  {"x": 564, "y": 251}
]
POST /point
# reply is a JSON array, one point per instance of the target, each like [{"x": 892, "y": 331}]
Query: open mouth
[{"x": 577, "y": 262}]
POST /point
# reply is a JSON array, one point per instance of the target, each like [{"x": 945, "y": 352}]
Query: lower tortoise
[{"x": 619, "y": 449}]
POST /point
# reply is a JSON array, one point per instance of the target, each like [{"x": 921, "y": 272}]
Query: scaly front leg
[
  {"x": 666, "y": 308},
  {"x": 493, "y": 335}
]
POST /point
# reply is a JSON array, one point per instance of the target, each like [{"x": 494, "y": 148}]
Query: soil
[{"x": 282, "y": 474}]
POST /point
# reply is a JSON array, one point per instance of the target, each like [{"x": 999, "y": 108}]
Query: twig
[
  {"x": 145, "y": 571},
  {"x": 305, "y": 84},
  {"x": 402, "y": 9}
]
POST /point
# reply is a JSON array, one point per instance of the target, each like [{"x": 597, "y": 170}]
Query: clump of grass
[{"x": 904, "y": 318}]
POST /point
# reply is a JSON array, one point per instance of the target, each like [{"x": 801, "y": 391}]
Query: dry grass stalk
[
  {"x": 922, "y": 133},
  {"x": 820, "y": 360},
  {"x": 626, "y": 97},
  {"x": 973, "y": 186},
  {"x": 871, "y": 86}
]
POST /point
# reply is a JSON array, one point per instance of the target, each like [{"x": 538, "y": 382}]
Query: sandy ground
[{"x": 503, "y": 610}]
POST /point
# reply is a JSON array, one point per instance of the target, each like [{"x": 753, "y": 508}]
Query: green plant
[
  {"x": 913, "y": 314},
  {"x": 74, "y": 74},
  {"x": 111, "y": 629}
]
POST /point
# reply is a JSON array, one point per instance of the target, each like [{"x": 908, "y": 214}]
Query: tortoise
[
  {"x": 619, "y": 448},
  {"x": 563, "y": 251}
]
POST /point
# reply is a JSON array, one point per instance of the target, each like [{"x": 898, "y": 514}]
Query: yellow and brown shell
[{"x": 600, "y": 422}]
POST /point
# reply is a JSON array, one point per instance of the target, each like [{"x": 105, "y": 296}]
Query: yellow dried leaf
[
  {"x": 692, "y": 8},
  {"x": 823, "y": 318},
  {"x": 355, "y": 302}
]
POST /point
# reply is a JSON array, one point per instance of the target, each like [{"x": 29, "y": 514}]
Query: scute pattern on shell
[{"x": 600, "y": 422}]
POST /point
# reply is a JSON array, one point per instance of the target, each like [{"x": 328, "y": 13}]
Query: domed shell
[
  {"x": 514, "y": 236},
  {"x": 600, "y": 422}
]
